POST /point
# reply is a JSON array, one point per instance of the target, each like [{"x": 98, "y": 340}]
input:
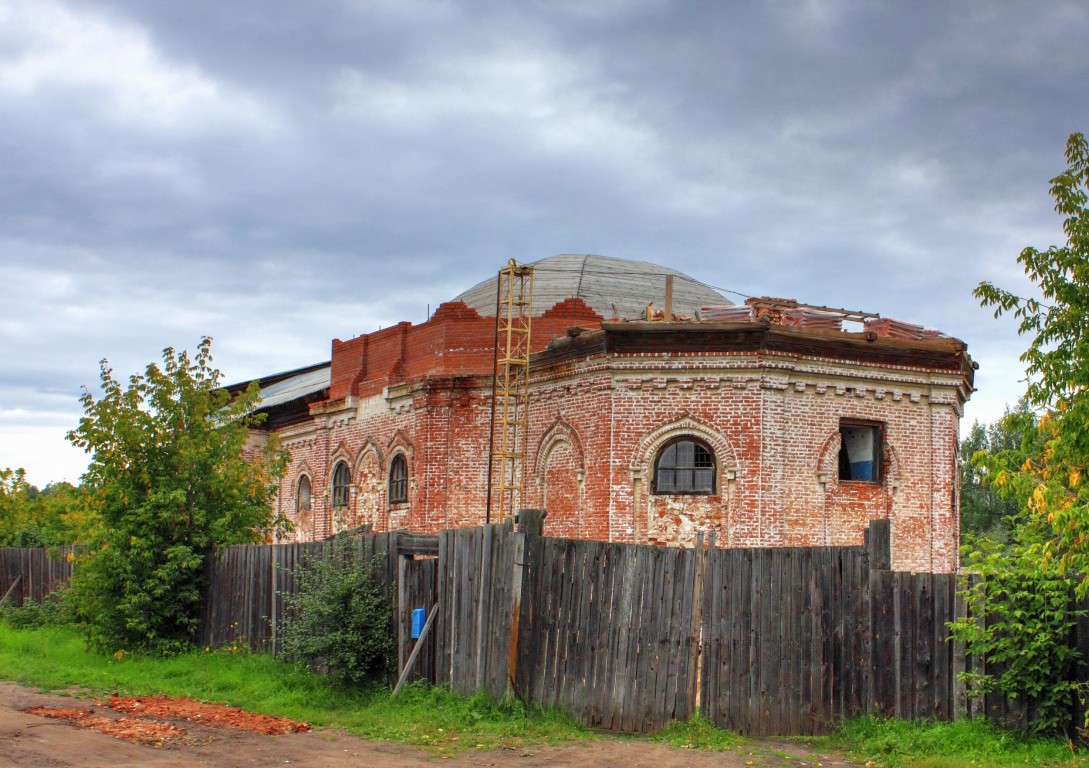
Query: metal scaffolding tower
[{"x": 510, "y": 391}]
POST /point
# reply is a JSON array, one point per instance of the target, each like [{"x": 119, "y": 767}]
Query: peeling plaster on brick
[{"x": 714, "y": 511}]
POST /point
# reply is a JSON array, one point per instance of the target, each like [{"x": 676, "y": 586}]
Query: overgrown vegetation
[
  {"x": 1030, "y": 623},
  {"x": 340, "y": 620},
  {"x": 57, "y": 658},
  {"x": 901, "y": 744},
  {"x": 169, "y": 480},
  {"x": 54, "y": 611}
]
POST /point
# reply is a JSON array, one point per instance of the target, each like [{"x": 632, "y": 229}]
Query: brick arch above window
[
  {"x": 653, "y": 442},
  {"x": 304, "y": 468},
  {"x": 342, "y": 452},
  {"x": 370, "y": 446},
  {"x": 400, "y": 442},
  {"x": 560, "y": 432}
]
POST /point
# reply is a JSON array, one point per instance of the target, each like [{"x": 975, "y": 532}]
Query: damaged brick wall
[{"x": 597, "y": 424}]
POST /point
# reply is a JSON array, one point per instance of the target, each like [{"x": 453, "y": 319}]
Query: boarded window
[
  {"x": 398, "y": 480},
  {"x": 860, "y": 451},
  {"x": 685, "y": 466},
  {"x": 342, "y": 481}
]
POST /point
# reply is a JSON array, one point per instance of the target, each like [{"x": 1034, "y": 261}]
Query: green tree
[
  {"x": 1050, "y": 479},
  {"x": 62, "y": 515},
  {"x": 31, "y": 518},
  {"x": 15, "y": 500},
  {"x": 984, "y": 508},
  {"x": 169, "y": 479}
]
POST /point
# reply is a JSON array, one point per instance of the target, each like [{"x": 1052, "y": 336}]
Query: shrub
[
  {"x": 55, "y": 610},
  {"x": 339, "y": 620},
  {"x": 1028, "y": 632}
]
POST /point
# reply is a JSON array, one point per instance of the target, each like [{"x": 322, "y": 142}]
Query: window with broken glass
[
  {"x": 684, "y": 466},
  {"x": 860, "y": 451}
]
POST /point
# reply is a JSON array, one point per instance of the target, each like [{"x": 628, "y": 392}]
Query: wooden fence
[
  {"x": 607, "y": 632},
  {"x": 31, "y": 574},
  {"x": 764, "y": 641},
  {"x": 784, "y": 641}
]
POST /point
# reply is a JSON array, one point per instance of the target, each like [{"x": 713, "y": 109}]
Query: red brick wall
[{"x": 597, "y": 424}]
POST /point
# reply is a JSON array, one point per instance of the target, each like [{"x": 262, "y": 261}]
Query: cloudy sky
[{"x": 275, "y": 174}]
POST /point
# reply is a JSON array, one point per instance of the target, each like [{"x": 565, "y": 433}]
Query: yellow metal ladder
[{"x": 510, "y": 392}]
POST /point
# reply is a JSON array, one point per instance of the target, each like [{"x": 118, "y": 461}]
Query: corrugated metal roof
[
  {"x": 612, "y": 287},
  {"x": 295, "y": 387}
]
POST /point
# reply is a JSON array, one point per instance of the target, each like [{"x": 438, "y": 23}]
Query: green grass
[
  {"x": 902, "y": 744},
  {"x": 56, "y": 658},
  {"x": 698, "y": 733}
]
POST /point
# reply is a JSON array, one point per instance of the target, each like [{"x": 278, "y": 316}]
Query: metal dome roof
[{"x": 611, "y": 287}]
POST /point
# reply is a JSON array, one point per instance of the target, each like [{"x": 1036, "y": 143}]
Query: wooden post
[
  {"x": 516, "y": 607},
  {"x": 531, "y": 521},
  {"x": 960, "y": 657},
  {"x": 879, "y": 545},
  {"x": 273, "y": 612},
  {"x": 696, "y": 649},
  {"x": 402, "y": 611}
]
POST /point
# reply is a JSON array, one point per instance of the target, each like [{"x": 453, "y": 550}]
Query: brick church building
[{"x": 770, "y": 423}]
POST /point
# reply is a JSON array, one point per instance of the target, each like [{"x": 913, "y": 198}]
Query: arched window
[
  {"x": 302, "y": 495},
  {"x": 685, "y": 466},
  {"x": 398, "y": 480},
  {"x": 342, "y": 481}
]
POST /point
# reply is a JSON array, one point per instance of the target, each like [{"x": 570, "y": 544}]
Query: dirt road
[{"x": 35, "y": 741}]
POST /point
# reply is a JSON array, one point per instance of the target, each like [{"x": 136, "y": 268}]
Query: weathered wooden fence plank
[{"x": 38, "y": 571}]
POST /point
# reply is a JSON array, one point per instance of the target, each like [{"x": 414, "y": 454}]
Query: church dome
[{"x": 611, "y": 287}]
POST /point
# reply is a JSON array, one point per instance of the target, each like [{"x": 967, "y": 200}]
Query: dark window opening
[
  {"x": 342, "y": 481},
  {"x": 860, "y": 452},
  {"x": 302, "y": 495},
  {"x": 685, "y": 466},
  {"x": 398, "y": 480}
]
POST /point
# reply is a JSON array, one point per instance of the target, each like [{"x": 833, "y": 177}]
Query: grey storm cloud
[{"x": 276, "y": 174}]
